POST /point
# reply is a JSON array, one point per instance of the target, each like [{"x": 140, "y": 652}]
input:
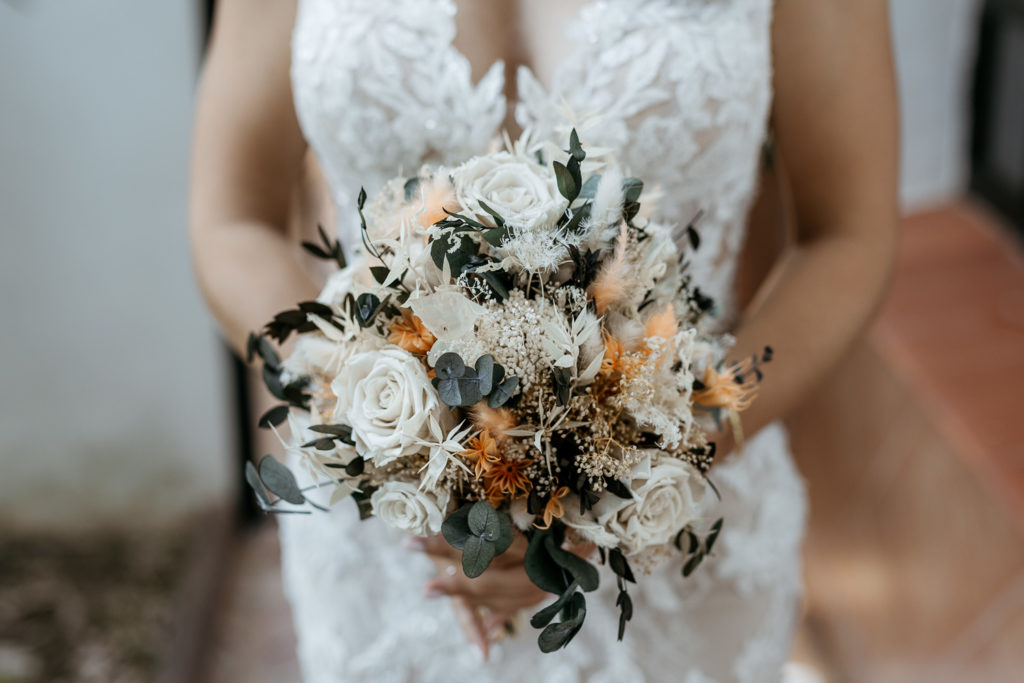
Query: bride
[{"x": 682, "y": 92}]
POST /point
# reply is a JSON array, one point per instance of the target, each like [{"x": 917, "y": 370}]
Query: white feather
[{"x": 607, "y": 206}]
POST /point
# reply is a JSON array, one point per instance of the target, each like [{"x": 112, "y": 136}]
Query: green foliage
[
  {"x": 480, "y": 532},
  {"x": 461, "y": 386}
]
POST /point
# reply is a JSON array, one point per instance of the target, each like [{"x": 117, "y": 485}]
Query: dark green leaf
[
  {"x": 495, "y": 236},
  {"x": 505, "y": 534},
  {"x": 542, "y": 570},
  {"x": 448, "y": 391},
  {"x": 485, "y": 372},
  {"x": 544, "y": 617},
  {"x": 575, "y": 149},
  {"x": 355, "y": 467},
  {"x": 253, "y": 479},
  {"x": 469, "y": 390},
  {"x": 316, "y": 308},
  {"x": 274, "y": 416},
  {"x": 477, "y": 555},
  {"x": 380, "y": 273},
  {"x": 692, "y": 564},
  {"x": 483, "y": 520},
  {"x": 279, "y": 480},
  {"x": 617, "y": 488},
  {"x": 500, "y": 395},
  {"x": 412, "y": 188},
  {"x": 450, "y": 365},
  {"x": 316, "y": 250},
  {"x": 582, "y": 571},
  {"x": 632, "y": 188},
  {"x": 712, "y": 536},
  {"x": 362, "y": 500},
  {"x": 625, "y": 605},
  {"x": 692, "y": 235},
  {"x": 620, "y": 565},
  {"x": 589, "y": 188},
  {"x": 455, "y": 528},
  {"x": 556, "y": 636},
  {"x": 498, "y": 220},
  {"x": 566, "y": 184}
]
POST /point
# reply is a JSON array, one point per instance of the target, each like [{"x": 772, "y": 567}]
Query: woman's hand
[{"x": 485, "y": 604}]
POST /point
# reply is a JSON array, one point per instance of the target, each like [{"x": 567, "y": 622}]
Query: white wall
[
  {"x": 111, "y": 379},
  {"x": 935, "y": 48}
]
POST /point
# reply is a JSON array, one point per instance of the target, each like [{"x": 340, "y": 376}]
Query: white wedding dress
[{"x": 681, "y": 90}]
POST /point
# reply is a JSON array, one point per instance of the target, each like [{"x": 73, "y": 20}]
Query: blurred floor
[
  {"x": 254, "y": 641},
  {"x": 914, "y": 454}
]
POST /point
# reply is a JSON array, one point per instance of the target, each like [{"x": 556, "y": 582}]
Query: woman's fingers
[
  {"x": 438, "y": 548},
  {"x": 472, "y": 625},
  {"x": 498, "y": 588}
]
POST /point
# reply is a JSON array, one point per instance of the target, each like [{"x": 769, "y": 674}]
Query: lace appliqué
[{"x": 680, "y": 89}]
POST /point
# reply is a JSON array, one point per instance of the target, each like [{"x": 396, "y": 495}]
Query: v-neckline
[{"x": 550, "y": 88}]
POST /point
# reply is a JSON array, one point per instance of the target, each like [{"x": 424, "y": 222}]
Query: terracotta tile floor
[{"x": 953, "y": 327}]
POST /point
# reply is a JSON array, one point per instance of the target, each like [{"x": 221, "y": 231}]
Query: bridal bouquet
[{"x": 516, "y": 346}]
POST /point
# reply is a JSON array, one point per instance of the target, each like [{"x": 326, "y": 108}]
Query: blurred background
[{"x": 127, "y": 549}]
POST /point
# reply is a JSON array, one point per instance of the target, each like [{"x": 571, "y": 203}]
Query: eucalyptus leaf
[
  {"x": 483, "y": 520},
  {"x": 712, "y": 536},
  {"x": 556, "y": 636},
  {"x": 273, "y": 417},
  {"x": 566, "y": 183},
  {"x": 253, "y": 479},
  {"x": 450, "y": 365},
  {"x": 485, "y": 372},
  {"x": 692, "y": 564},
  {"x": 500, "y": 395},
  {"x": 540, "y": 568},
  {"x": 455, "y": 528},
  {"x": 279, "y": 480},
  {"x": 477, "y": 555},
  {"x": 498, "y": 220},
  {"x": 582, "y": 571},
  {"x": 632, "y": 188},
  {"x": 544, "y": 617},
  {"x": 620, "y": 565},
  {"x": 589, "y": 189},
  {"x": 448, "y": 391}
]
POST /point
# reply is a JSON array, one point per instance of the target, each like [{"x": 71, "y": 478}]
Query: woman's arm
[
  {"x": 247, "y": 153},
  {"x": 836, "y": 138}
]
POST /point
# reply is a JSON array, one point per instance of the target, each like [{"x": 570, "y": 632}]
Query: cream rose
[
  {"x": 387, "y": 399},
  {"x": 666, "y": 497},
  {"x": 521, "y": 191},
  {"x": 404, "y": 506}
]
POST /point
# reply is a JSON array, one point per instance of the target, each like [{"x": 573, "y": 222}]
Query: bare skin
[{"x": 835, "y": 123}]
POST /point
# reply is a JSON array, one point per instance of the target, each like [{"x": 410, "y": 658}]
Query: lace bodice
[{"x": 680, "y": 90}]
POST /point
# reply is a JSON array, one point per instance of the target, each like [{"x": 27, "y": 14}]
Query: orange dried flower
[
  {"x": 734, "y": 388},
  {"x": 410, "y": 334},
  {"x": 482, "y": 451},
  {"x": 506, "y": 477},
  {"x": 554, "y": 509}
]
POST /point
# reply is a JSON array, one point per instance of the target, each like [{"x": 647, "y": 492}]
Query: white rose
[
  {"x": 666, "y": 497},
  {"x": 387, "y": 399},
  {"x": 404, "y": 506},
  {"x": 520, "y": 190}
]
